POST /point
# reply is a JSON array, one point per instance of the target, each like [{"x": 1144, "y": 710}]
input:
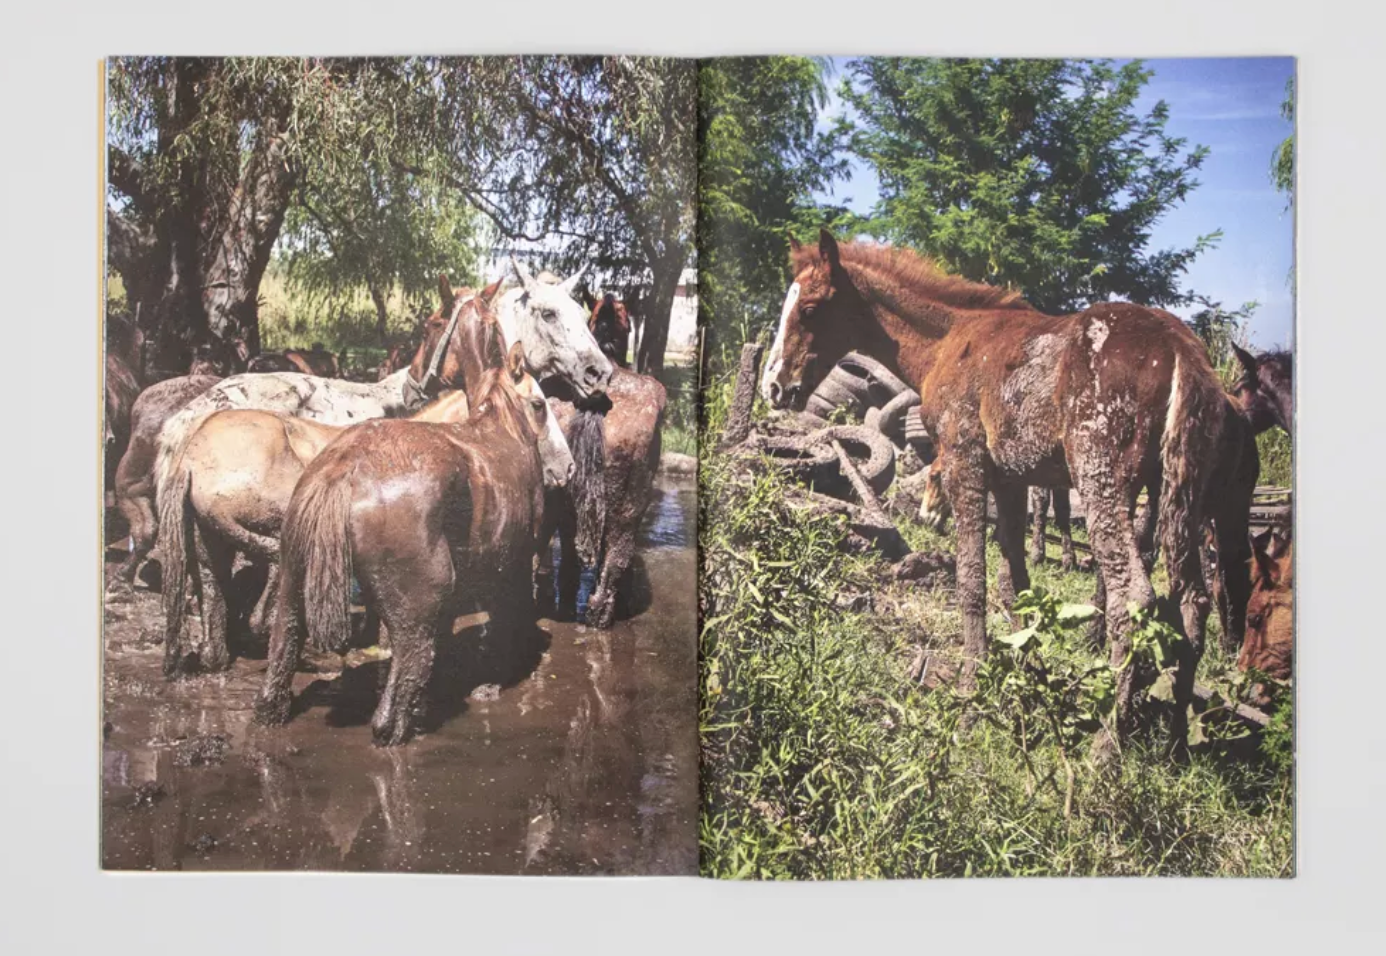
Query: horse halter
[{"x": 416, "y": 393}]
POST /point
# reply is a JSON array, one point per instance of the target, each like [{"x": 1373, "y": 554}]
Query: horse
[
  {"x": 1108, "y": 399},
  {"x": 1270, "y": 627},
  {"x": 232, "y": 484},
  {"x": 122, "y": 388},
  {"x": 424, "y": 516},
  {"x": 331, "y": 401},
  {"x": 314, "y": 361},
  {"x": 554, "y": 329},
  {"x": 616, "y": 444},
  {"x": 934, "y": 513},
  {"x": 1266, "y": 389},
  {"x": 134, "y": 476},
  {"x": 610, "y": 325}
]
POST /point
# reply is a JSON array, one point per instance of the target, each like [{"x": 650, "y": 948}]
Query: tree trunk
[
  {"x": 654, "y": 337},
  {"x": 192, "y": 259},
  {"x": 382, "y": 317}
]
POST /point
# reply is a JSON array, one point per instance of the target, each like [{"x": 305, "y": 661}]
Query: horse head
[
  {"x": 1270, "y": 621},
  {"x": 610, "y": 326},
  {"x": 1266, "y": 389},
  {"x": 817, "y": 323},
  {"x": 552, "y": 326},
  {"x": 459, "y": 342},
  {"x": 513, "y": 395}
]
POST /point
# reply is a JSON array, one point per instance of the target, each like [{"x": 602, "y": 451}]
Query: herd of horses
[
  {"x": 1112, "y": 401},
  {"x": 431, "y": 492}
]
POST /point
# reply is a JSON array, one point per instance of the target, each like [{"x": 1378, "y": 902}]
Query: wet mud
[{"x": 575, "y": 754}]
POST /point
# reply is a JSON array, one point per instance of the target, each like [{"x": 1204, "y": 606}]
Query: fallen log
[{"x": 1243, "y": 711}]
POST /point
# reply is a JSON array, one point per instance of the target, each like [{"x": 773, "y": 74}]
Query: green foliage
[
  {"x": 1034, "y": 174},
  {"x": 1283, "y": 160},
  {"x": 760, "y": 160},
  {"x": 822, "y": 760},
  {"x": 1276, "y": 451}
]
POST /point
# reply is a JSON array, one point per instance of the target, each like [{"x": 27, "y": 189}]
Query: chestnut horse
[
  {"x": 1110, "y": 399},
  {"x": 610, "y": 325},
  {"x": 424, "y": 516},
  {"x": 232, "y": 485},
  {"x": 1270, "y": 626},
  {"x": 314, "y": 361}
]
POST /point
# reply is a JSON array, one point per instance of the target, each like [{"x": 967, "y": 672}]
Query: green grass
[{"x": 822, "y": 760}]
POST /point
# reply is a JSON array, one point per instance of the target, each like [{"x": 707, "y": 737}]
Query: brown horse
[
  {"x": 610, "y": 325},
  {"x": 231, "y": 487},
  {"x": 1270, "y": 626},
  {"x": 315, "y": 361},
  {"x": 616, "y": 444},
  {"x": 424, "y": 516},
  {"x": 1107, "y": 399},
  {"x": 134, "y": 477},
  {"x": 1266, "y": 389}
]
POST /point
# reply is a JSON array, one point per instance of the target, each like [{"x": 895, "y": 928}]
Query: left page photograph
[{"x": 398, "y": 497}]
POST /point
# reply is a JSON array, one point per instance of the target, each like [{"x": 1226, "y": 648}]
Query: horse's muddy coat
[{"x": 585, "y": 761}]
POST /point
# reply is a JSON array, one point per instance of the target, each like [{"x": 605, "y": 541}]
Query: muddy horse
[
  {"x": 428, "y": 518},
  {"x": 610, "y": 325},
  {"x": 232, "y": 484},
  {"x": 1109, "y": 400},
  {"x": 1266, "y": 389}
]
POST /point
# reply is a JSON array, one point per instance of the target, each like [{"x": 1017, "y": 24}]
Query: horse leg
[
  {"x": 1039, "y": 507},
  {"x": 545, "y": 592},
  {"x": 1110, "y": 500},
  {"x": 570, "y": 565},
  {"x": 1063, "y": 518},
  {"x": 964, "y": 480},
  {"x": 287, "y": 633},
  {"x": 139, "y": 515},
  {"x": 217, "y": 558},
  {"x": 1097, "y": 631},
  {"x": 1147, "y": 520},
  {"x": 260, "y": 616},
  {"x": 620, "y": 548},
  {"x": 1012, "y": 576},
  {"x": 412, "y": 643},
  {"x": 1231, "y": 525}
]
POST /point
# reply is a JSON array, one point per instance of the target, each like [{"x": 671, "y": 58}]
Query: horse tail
[
  {"x": 587, "y": 442},
  {"x": 315, "y": 555},
  {"x": 173, "y": 437},
  {"x": 179, "y": 558},
  {"x": 1189, "y": 456}
]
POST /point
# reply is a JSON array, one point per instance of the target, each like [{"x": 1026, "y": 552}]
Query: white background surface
[{"x": 55, "y": 899}]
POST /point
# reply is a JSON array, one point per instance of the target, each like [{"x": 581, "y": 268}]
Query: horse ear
[
  {"x": 570, "y": 283},
  {"x": 488, "y": 294},
  {"x": 445, "y": 293},
  {"x": 588, "y": 299},
  {"x": 827, "y": 247},
  {"x": 1247, "y": 360},
  {"x": 794, "y": 244},
  {"x": 515, "y": 361},
  {"x": 522, "y": 274}
]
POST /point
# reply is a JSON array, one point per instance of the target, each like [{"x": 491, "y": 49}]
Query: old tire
[
  {"x": 891, "y": 421},
  {"x": 870, "y": 451},
  {"x": 879, "y": 383}
]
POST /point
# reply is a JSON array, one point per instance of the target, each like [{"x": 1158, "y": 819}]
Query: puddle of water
[{"x": 577, "y": 754}]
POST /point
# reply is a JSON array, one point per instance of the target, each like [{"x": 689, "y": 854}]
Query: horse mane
[
  {"x": 920, "y": 274},
  {"x": 496, "y": 390}
]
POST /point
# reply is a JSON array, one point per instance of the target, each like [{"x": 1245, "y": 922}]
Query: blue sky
[{"x": 1231, "y": 106}]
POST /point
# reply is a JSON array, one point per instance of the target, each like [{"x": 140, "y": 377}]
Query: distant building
[{"x": 683, "y": 316}]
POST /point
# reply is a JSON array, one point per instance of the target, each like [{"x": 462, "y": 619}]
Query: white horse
[{"x": 552, "y": 326}]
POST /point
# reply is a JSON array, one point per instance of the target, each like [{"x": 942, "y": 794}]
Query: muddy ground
[{"x": 578, "y": 757}]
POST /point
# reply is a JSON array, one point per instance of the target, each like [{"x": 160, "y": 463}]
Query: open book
[{"x": 778, "y": 467}]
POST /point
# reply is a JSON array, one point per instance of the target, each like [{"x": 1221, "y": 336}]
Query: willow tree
[{"x": 591, "y": 158}]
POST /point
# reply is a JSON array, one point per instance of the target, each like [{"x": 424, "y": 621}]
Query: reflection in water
[{"x": 584, "y": 763}]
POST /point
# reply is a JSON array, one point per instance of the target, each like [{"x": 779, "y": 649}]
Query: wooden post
[{"x": 747, "y": 376}]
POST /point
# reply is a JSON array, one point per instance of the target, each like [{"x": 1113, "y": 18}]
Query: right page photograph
[{"x": 996, "y": 467}]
